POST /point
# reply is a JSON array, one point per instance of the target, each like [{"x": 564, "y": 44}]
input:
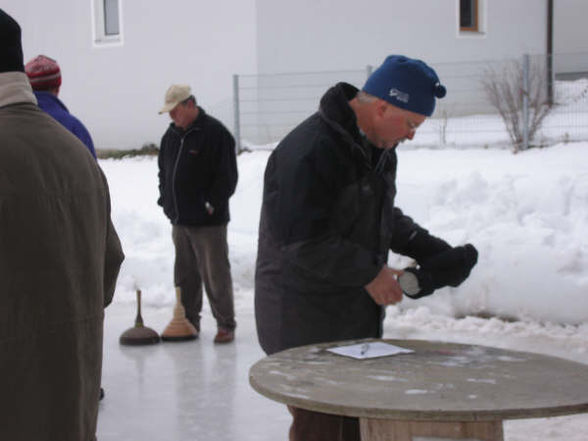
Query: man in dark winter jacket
[
  {"x": 45, "y": 78},
  {"x": 328, "y": 221},
  {"x": 197, "y": 176}
]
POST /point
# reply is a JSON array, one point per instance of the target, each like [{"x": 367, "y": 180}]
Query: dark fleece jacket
[{"x": 327, "y": 223}]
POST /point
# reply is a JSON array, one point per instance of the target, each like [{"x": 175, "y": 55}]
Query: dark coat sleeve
[
  {"x": 225, "y": 177},
  {"x": 412, "y": 240},
  {"x": 113, "y": 255},
  {"x": 112, "y": 261},
  {"x": 161, "y": 171},
  {"x": 408, "y": 238},
  {"x": 404, "y": 228}
]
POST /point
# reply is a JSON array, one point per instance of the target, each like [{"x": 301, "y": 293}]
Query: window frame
[{"x": 102, "y": 12}]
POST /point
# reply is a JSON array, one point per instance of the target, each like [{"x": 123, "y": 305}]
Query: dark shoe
[{"x": 224, "y": 336}]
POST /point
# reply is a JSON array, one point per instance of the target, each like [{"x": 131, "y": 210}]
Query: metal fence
[{"x": 267, "y": 107}]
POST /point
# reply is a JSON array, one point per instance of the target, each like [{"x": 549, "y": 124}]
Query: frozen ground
[
  {"x": 527, "y": 214},
  {"x": 183, "y": 391},
  {"x": 198, "y": 391}
]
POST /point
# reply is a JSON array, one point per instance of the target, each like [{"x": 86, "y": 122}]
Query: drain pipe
[{"x": 550, "y": 52}]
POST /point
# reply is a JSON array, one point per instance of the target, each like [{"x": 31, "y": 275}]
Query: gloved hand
[
  {"x": 451, "y": 267},
  {"x": 448, "y": 268}
]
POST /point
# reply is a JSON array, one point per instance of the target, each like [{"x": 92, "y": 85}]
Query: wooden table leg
[{"x": 393, "y": 430}]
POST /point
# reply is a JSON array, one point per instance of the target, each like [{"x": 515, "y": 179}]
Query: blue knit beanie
[{"x": 406, "y": 83}]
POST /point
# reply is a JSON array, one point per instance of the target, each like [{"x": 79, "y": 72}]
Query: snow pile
[{"x": 527, "y": 214}]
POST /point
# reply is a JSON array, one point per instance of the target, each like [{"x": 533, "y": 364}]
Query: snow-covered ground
[{"x": 527, "y": 214}]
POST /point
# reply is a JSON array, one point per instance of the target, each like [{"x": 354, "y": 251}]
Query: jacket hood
[
  {"x": 339, "y": 116},
  {"x": 334, "y": 108},
  {"x": 15, "y": 88}
]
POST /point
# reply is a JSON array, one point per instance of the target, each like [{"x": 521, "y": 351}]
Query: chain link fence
[{"x": 267, "y": 107}]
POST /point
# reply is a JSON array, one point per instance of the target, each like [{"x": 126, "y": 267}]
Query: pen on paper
[{"x": 364, "y": 348}]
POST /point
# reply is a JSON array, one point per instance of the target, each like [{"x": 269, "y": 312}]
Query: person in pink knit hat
[{"x": 45, "y": 78}]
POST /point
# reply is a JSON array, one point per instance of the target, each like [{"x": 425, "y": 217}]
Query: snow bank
[{"x": 527, "y": 214}]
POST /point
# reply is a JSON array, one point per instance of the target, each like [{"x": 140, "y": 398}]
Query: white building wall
[
  {"x": 117, "y": 90},
  {"x": 308, "y": 35},
  {"x": 570, "y": 36},
  {"x": 570, "y": 30}
]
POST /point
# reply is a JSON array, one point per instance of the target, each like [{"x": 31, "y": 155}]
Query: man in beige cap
[{"x": 197, "y": 176}]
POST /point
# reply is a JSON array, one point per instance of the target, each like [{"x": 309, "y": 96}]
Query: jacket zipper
[{"x": 175, "y": 170}]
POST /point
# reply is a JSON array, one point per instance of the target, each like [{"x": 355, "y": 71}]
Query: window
[
  {"x": 107, "y": 23},
  {"x": 111, "y": 17},
  {"x": 469, "y": 16}
]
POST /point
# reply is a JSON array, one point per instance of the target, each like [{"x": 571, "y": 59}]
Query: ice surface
[
  {"x": 198, "y": 391},
  {"x": 183, "y": 391}
]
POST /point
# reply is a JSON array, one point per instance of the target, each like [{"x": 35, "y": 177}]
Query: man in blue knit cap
[{"x": 328, "y": 222}]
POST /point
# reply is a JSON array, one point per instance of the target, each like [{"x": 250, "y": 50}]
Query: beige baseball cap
[{"x": 174, "y": 96}]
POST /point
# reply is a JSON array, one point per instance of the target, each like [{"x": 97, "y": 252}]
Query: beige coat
[{"x": 59, "y": 260}]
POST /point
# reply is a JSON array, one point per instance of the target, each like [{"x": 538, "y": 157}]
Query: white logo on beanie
[{"x": 400, "y": 96}]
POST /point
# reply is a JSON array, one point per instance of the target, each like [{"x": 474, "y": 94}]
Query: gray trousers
[{"x": 202, "y": 255}]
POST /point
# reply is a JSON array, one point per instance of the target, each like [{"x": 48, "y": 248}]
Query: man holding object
[{"x": 328, "y": 221}]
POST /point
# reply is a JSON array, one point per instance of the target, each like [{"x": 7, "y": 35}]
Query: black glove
[
  {"x": 451, "y": 267},
  {"x": 448, "y": 268}
]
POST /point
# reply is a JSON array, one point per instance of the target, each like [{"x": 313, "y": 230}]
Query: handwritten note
[{"x": 369, "y": 350}]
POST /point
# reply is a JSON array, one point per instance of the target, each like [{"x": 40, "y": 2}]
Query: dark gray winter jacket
[{"x": 327, "y": 223}]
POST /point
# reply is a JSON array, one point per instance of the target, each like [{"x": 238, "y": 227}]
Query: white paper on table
[{"x": 369, "y": 350}]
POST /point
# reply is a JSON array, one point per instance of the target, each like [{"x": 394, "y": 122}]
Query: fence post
[
  {"x": 236, "y": 113},
  {"x": 525, "y": 145}
]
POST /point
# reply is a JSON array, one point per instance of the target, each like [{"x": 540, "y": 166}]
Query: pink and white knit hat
[{"x": 43, "y": 73}]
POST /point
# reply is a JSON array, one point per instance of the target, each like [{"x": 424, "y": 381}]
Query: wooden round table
[{"x": 441, "y": 391}]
